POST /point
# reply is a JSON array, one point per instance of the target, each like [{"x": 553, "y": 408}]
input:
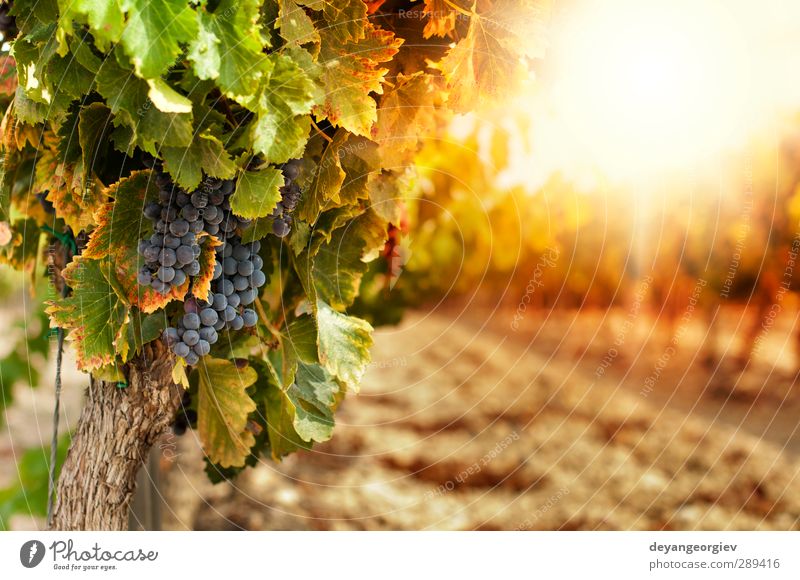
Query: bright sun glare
[{"x": 650, "y": 86}]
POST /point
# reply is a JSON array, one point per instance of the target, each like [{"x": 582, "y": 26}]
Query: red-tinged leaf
[
  {"x": 93, "y": 313},
  {"x": 487, "y": 62},
  {"x": 208, "y": 258},
  {"x": 126, "y": 266},
  {"x": 120, "y": 222},
  {"x": 350, "y": 73},
  {"x": 8, "y": 76},
  {"x": 441, "y": 17},
  {"x": 406, "y": 115},
  {"x": 120, "y": 226}
]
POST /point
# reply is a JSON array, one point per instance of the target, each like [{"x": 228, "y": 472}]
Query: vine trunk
[{"x": 115, "y": 432}]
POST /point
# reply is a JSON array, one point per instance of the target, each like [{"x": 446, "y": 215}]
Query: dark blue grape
[
  {"x": 192, "y": 268},
  {"x": 167, "y": 257},
  {"x": 202, "y": 347},
  {"x": 171, "y": 336},
  {"x": 191, "y": 321},
  {"x": 166, "y": 274},
  {"x": 208, "y": 334},
  {"x": 219, "y": 302},
  {"x": 144, "y": 277},
  {"x": 240, "y": 283},
  {"x": 245, "y": 268},
  {"x": 258, "y": 279},
  {"x": 280, "y": 228},
  {"x": 229, "y": 313},
  {"x": 179, "y": 279},
  {"x": 208, "y": 316},
  {"x": 181, "y": 349},
  {"x": 237, "y": 323},
  {"x": 191, "y": 337},
  {"x": 247, "y": 297},
  {"x": 184, "y": 255}
]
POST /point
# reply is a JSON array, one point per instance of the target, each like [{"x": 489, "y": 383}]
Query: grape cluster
[
  {"x": 196, "y": 331},
  {"x": 290, "y": 197},
  {"x": 212, "y": 198},
  {"x": 171, "y": 254},
  {"x": 237, "y": 277}
]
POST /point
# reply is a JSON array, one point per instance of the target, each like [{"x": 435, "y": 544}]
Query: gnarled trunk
[{"x": 116, "y": 430}]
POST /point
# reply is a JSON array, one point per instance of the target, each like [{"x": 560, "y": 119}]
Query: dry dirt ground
[{"x": 464, "y": 423}]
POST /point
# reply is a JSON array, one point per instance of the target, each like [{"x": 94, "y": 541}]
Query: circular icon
[{"x": 31, "y": 553}]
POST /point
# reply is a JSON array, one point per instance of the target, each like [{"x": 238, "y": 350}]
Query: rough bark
[{"x": 117, "y": 428}]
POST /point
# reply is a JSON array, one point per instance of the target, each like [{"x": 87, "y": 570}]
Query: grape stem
[{"x": 321, "y": 132}]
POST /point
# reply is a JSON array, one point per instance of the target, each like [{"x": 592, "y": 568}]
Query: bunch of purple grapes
[
  {"x": 290, "y": 197},
  {"x": 194, "y": 333},
  {"x": 237, "y": 277},
  {"x": 238, "y": 270},
  {"x": 171, "y": 254}
]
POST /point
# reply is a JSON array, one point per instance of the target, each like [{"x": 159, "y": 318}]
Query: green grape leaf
[
  {"x": 92, "y": 314},
  {"x": 346, "y": 19},
  {"x": 350, "y": 72},
  {"x": 106, "y": 19},
  {"x": 326, "y": 179},
  {"x": 166, "y": 99},
  {"x": 287, "y": 95},
  {"x": 295, "y": 25},
  {"x": 138, "y": 330},
  {"x": 386, "y": 195},
  {"x": 128, "y": 97},
  {"x": 94, "y": 125},
  {"x": 302, "y": 413},
  {"x": 206, "y": 154},
  {"x": 299, "y": 343},
  {"x": 222, "y": 409},
  {"x": 336, "y": 270},
  {"x": 257, "y": 193},
  {"x": 360, "y": 160},
  {"x": 33, "y": 53},
  {"x": 154, "y": 32},
  {"x": 229, "y": 47},
  {"x": 344, "y": 343}
]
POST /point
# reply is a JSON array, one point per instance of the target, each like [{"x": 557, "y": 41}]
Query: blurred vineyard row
[{"x": 489, "y": 224}]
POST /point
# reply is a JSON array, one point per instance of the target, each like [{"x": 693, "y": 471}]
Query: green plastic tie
[{"x": 63, "y": 238}]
